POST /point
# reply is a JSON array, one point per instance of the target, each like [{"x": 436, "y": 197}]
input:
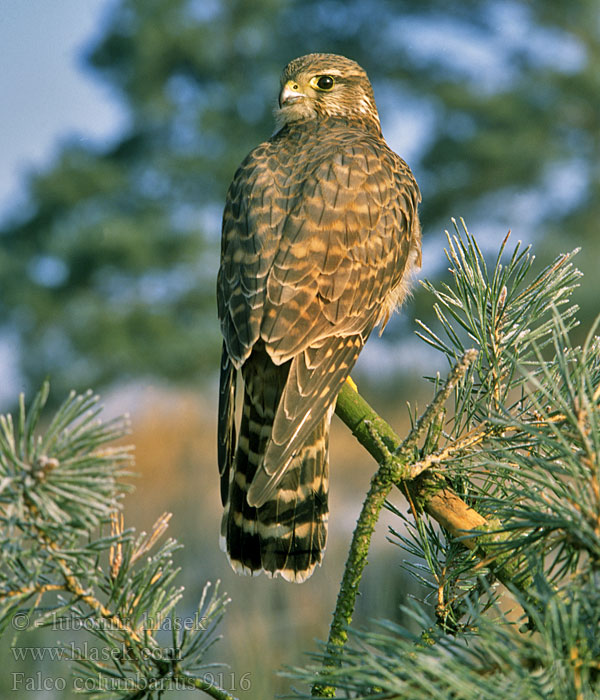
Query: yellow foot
[{"x": 350, "y": 381}]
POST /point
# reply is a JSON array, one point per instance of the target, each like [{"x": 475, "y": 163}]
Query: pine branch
[
  {"x": 60, "y": 493},
  {"x": 394, "y": 458}
]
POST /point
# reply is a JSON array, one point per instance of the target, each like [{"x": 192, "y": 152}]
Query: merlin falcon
[{"x": 320, "y": 235}]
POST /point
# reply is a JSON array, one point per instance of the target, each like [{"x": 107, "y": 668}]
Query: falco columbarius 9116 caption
[{"x": 320, "y": 234}]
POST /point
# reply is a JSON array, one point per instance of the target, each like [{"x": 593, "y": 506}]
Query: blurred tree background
[{"x": 108, "y": 274}]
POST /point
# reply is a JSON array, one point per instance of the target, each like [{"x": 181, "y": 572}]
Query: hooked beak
[{"x": 290, "y": 93}]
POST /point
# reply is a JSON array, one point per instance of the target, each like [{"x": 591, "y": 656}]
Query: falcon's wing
[
  {"x": 256, "y": 206},
  {"x": 226, "y": 430},
  {"x": 343, "y": 249},
  {"x": 314, "y": 380},
  {"x": 312, "y": 244},
  {"x": 344, "y": 246}
]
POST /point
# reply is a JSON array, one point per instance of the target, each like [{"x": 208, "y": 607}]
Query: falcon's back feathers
[{"x": 320, "y": 231}]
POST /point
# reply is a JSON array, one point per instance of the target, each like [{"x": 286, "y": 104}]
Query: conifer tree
[{"x": 68, "y": 562}]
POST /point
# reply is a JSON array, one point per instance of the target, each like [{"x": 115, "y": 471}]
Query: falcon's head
[{"x": 325, "y": 85}]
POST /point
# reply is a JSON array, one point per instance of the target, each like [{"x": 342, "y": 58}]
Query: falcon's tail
[{"x": 286, "y": 535}]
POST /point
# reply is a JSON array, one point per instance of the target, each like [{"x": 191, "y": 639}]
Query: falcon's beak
[{"x": 290, "y": 93}]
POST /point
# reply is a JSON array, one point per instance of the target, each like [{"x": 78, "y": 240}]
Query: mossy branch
[{"x": 395, "y": 458}]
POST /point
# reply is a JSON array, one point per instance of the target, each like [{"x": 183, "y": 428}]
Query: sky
[{"x": 47, "y": 94}]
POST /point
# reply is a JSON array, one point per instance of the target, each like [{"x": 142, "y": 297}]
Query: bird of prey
[{"x": 320, "y": 234}]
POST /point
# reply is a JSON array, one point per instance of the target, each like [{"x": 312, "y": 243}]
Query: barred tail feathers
[{"x": 286, "y": 535}]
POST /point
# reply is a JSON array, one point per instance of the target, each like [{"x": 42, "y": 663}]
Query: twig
[
  {"x": 200, "y": 684},
  {"x": 432, "y": 411},
  {"x": 28, "y": 591},
  {"x": 466, "y": 441},
  {"x": 189, "y": 683}
]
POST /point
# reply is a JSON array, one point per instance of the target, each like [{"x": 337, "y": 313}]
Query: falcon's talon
[
  {"x": 320, "y": 235},
  {"x": 351, "y": 384}
]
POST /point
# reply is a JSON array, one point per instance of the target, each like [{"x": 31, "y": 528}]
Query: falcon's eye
[
  {"x": 322, "y": 82},
  {"x": 325, "y": 82}
]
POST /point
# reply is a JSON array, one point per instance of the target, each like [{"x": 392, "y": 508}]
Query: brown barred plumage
[{"x": 320, "y": 231}]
